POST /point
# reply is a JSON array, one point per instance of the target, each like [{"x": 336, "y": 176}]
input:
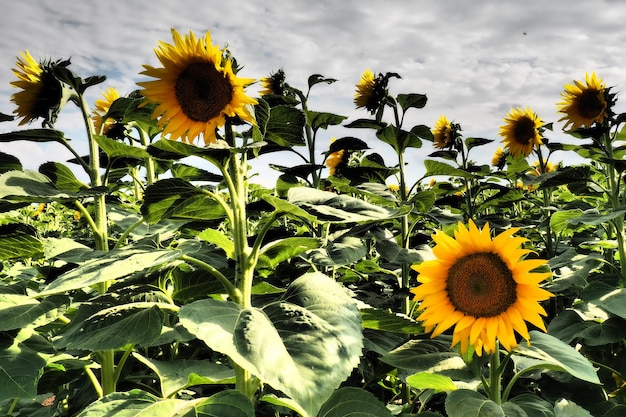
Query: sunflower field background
[{"x": 161, "y": 288}]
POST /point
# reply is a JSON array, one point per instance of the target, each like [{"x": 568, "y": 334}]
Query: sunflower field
[{"x": 169, "y": 283}]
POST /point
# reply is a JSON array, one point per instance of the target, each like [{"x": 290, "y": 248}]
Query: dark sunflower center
[
  {"x": 202, "y": 91},
  {"x": 481, "y": 285},
  {"x": 524, "y": 130},
  {"x": 589, "y": 104}
]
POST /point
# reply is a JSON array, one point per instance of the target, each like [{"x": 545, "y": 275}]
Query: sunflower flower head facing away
[
  {"x": 520, "y": 133},
  {"x": 481, "y": 286},
  {"x": 195, "y": 89},
  {"x": 275, "y": 84},
  {"x": 372, "y": 91},
  {"x": 499, "y": 158},
  {"x": 444, "y": 133},
  {"x": 42, "y": 94},
  {"x": 584, "y": 104},
  {"x": 110, "y": 126}
]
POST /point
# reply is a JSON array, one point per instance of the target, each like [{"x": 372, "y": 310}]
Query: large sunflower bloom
[
  {"x": 583, "y": 104},
  {"x": 520, "y": 133},
  {"x": 41, "y": 93},
  {"x": 481, "y": 286},
  {"x": 442, "y": 133},
  {"x": 102, "y": 107},
  {"x": 365, "y": 91},
  {"x": 196, "y": 89}
]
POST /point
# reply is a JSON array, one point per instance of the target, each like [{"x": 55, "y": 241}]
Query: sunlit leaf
[
  {"x": 19, "y": 241},
  {"x": 607, "y": 297},
  {"x": 558, "y": 356},
  {"x": 303, "y": 345},
  {"x": 441, "y": 168},
  {"x": 113, "y": 328},
  {"x": 429, "y": 380},
  {"x": 279, "y": 251},
  {"x": 110, "y": 266},
  {"x": 62, "y": 177},
  {"x": 387, "y": 321},
  {"x": 534, "y": 405},
  {"x": 565, "y": 408},
  {"x": 179, "y": 374}
]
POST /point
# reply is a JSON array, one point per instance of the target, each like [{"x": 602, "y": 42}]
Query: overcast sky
[{"x": 473, "y": 59}]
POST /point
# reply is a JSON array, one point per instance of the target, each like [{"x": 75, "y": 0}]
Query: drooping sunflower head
[
  {"x": 521, "y": 131},
  {"x": 101, "y": 108},
  {"x": 195, "y": 89},
  {"x": 372, "y": 91},
  {"x": 499, "y": 158},
  {"x": 584, "y": 104},
  {"x": 482, "y": 286},
  {"x": 443, "y": 133},
  {"x": 274, "y": 84},
  {"x": 41, "y": 95}
]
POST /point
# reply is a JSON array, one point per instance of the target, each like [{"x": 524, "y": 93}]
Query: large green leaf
[
  {"x": 32, "y": 186},
  {"x": 9, "y": 163},
  {"x": 285, "y": 126},
  {"x": 110, "y": 266},
  {"x": 556, "y": 355},
  {"x": 441, "y": 168},
  {"x": 19, "y": 311},
  {"x": 20, "y": 369},
  {"x": 413, "y": 100},
  {"x": 137, "y": 403},
  {"x": 304, "y": 345},
  {"x": 280, "y": 250},
  {"x": 331, "y": 207},
  {"x": 466, "y": 403},
  {"x": 176, "y": 198},
  {"x": 116, "y": 149},
  {"x": 565, "y": 408},
  {"x": 353, "y": 402},
  {"x": 429, "y": 356},
  {"x": 533, "y": 405},
  {"x": 342, "y": 250},
  {"x": 33, "y": 135},
  {"x": 19, "y": 241},
  {"x": 321, "y": 120},
  {"x": 179, "y": 374},
  {"x": 114, "y": 327},
  {"x": 607, "y": 297},
  {"x": 62, "y": 177}
]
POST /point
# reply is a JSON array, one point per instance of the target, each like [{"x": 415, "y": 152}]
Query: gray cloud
[{"x": 474, "y": 60}]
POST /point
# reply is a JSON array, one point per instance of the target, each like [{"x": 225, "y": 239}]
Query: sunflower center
[
  {"x": 481, "y": 285},
  {"x": 524, "y": 130},
  {"x": 589, "y": 104},
  {"x": 202, "y": 91}
]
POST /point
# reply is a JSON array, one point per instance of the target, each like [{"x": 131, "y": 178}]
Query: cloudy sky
[{"x": 473, "y": 59}]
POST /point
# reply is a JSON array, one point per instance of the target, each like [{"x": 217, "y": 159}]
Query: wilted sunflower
[
  {"x": 521, "y": 131},
  {"x": 42, "y": 93},
  {"x": 196, "y": 89},
  {"x": 442, "y": 133},
  {"x": 481, "y": 286},
  {"x": 102, "y": 107},
  {"x": 582, "y": 104}
]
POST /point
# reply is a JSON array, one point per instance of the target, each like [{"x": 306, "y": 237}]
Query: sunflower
[
  {"x": 274, "y": 84},
  {"x": 583, "y": 104},
  {"x": 481, "y": 286},
  {"x": 196, "y": 89},
  {"x": 101, "y": 108},
  {"x": 499, "y": 158},
  {"x": 335, "y": 160},
  {"x": 442, "y": 132},
  {"x": 371, "y": 91},
  {"x": 42, "y": 93},
  {"x": 521, "y": 131}
]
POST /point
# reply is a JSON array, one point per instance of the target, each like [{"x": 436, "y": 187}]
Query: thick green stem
[
  {"x": 310, "y": 138},
  {"x": 232, "y": 291},
  {"x": 495, "y": 375}
]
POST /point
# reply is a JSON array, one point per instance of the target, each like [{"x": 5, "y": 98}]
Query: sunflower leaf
[{"x": 33, "y": 135}]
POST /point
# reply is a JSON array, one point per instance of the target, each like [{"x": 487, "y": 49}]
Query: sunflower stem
[
  {"x": 495, "y": 375},
  {"x": 150, "y": 167}
]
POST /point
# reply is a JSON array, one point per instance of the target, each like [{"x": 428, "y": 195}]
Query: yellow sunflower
[
  {"x": 101, "y": 108},
  {"x": 196, "y": 89},
  {"x": 334, "y": 160},
  {"x": 582, "y": 104},
  {"x": 482, "y": 286},
  {"x": 274, "y": 84},
  {"x": 499, "y": 158},
  {"x": 365, "y": 90},
  {"x": 521, "y": 131},
  {"x": 442, "y": 132},
  {"x": 41, "y": 93}
]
